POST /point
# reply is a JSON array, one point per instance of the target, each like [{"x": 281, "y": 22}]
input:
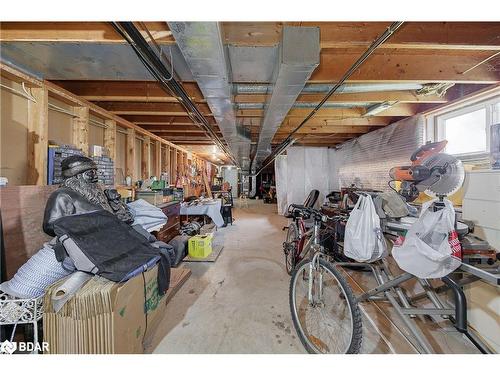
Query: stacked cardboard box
[
  {"x": 106, "y": 170},
  {"x": 106, "y": 317},
  {"x": 57, "y": 153}
]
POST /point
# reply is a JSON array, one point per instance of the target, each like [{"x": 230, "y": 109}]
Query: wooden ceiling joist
[
  {"x": 191, "y": 142},
  {"x": 148, "y": 107},
  {"x": 326, "y": 130},
  {"x": 400, "y": 109},
  {"x": 362, "y": 121},
  {"x": 126, "y": 90},
  {"x": 370, "y": 97},
  {"x": 161, "y": 119},
  {"x": 408, "y": 66},
  {"x": 171, "y": 134},
  {"x": 86, "y": 32},
  {"x": 173, "y": 128},
  {"x": 412, "y": 35}
]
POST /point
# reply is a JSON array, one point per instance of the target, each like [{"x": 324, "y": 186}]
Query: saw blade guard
[{"x": 450, "y": 181}]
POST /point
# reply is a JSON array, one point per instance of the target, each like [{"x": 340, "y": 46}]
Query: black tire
[
  {"x": 292, "y": 235},
  {"x": 357, "y": 329}
]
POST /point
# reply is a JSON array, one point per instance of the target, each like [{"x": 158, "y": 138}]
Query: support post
[
  {"x": 130, "y": 158},
  {"x": 146, "y": 158},
  {"x": 110, "y": 138},
  {"x": 166, "y": 162},
  {"x": 81, "y": 129},
  {"x": 174, "y": 167},
  {"x": 38, "y": 134},
  {"x": 158, "y": 159}
]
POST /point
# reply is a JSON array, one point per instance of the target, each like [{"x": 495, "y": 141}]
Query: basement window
[
  {"x": 466, "y": 134},
  {"x": 467, "y": 129}
]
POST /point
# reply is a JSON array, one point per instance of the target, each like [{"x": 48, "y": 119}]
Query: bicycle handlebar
[{"x": 318, "y": 215}]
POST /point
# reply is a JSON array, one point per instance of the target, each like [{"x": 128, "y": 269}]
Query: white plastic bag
[
  {"x": 364, "y": 240},
  {"x": 426, "y": 251}
]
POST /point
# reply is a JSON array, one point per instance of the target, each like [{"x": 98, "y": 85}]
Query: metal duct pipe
[
  {"x": 202, "y": 47},
  {"x": 244, "y": 88},
  {"x": 298, "y": 56},
  {"x": 289, "y": 140},
  {"x": 166, "y": 78},
  {"x": 253, "y": 182},
  {"x": 306, "y": 105}
]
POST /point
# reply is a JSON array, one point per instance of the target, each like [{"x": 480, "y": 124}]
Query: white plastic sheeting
[
  {"x": 364, "y": 161},
  {"x": 280, "y": 168},
  {"x": 300, "y": 171}
]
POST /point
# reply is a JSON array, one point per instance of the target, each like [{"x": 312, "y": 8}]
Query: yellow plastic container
[{"x": 200, "y": 246}]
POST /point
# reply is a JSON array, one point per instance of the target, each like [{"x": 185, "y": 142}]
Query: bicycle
[
  {"x": 295, "y": 239},
  {"x": 324, "y": 311}
]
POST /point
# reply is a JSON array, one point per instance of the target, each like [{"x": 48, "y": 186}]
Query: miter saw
[{"x": 435, "y": 173}]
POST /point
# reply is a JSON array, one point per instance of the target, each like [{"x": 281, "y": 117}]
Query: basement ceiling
[
  {"x": 85, "y": 61},
  {"x": 91, "y": 60},
  {"x": 252, "y": 63}
]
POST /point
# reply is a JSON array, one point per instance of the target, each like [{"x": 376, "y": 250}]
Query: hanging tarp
[
  {"x": 364, "y": 161},
  {"x": 300, "y": 171},
  {"x": 316, "y": 172},
  {"x": 280, "y": 171}
]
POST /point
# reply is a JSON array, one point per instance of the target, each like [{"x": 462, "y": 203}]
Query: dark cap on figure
[{"x": 76, "y": 164}]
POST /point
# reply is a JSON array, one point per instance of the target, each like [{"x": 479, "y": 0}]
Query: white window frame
[{"x": 437, "y": 123}]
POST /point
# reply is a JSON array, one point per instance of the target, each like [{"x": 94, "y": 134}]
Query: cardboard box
[
  {"x": 106, "y": 317},
  {"x": 153, "y": 197},
  {"x": 200, "y": 246},
  {"x": 208, "y": 229}
]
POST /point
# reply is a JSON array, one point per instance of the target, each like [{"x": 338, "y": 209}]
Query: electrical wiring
[{"x": 376, "y": 43}]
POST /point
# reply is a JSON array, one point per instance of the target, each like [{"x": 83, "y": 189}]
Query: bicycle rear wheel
[
  {"x": 290, "y": 247},
  {"x": 331, "y": 321}
]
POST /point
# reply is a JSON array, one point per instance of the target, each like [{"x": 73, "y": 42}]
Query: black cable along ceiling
[
  {"x": 167, "y": 80},
  {"x": 289, "y": 140}
]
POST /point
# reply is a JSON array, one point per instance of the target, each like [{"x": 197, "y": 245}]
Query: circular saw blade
[{"x": 449, "y": 182}]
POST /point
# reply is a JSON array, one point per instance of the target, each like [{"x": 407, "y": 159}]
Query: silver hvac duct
[
  {"x": 298, "y": 56},
  {"x": 306, "y": 105},
  {"x": 244, "y": 88},
  {"x": 202, "y": 47}
]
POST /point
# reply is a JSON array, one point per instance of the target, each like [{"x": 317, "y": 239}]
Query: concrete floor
[{"x": 239, "y": 304}]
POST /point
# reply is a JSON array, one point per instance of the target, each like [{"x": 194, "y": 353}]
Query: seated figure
[{"x": 80, "y": 193}]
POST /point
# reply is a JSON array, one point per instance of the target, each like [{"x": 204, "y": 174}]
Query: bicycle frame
[
  {"x": 303, "y": 240},
  {"x": 313, "y": 248}
]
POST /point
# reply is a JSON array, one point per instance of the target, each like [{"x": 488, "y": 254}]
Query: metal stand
[
  {"x": 15, "y": 311},
  {"x": 391, "y": 292}
]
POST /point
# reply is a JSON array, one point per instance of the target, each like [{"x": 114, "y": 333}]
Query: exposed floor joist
[
  {"x": 413, "y": 35},
  {"x": 420, "y": 52}
]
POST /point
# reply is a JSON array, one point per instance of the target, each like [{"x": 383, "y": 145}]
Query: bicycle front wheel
[
  {"x": 325, "y": 313},
  {"x": 290, "y": 248}
]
